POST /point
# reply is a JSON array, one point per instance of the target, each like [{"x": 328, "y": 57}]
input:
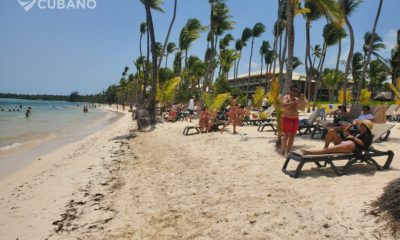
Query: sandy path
[{"x": 231, "y": 187}]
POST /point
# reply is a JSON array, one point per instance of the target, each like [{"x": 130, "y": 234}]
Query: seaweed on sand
[{"x": 387, "y": 207}]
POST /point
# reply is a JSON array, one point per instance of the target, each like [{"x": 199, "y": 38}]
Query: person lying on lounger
[{"x": 351, "y": 143}]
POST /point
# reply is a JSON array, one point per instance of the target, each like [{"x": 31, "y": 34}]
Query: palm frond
[{"x": 258, "y": 96}]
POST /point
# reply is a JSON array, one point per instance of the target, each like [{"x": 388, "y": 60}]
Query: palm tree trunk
[
  {"x": 166, "y": 60},
  {"x": 320, "y": 69},
  {"x": 167, "y": 37},
  {"x": 290, "y": 43},
  {"x": 366, "y": 63},
  {"x": 349, "y": 58},
  {"x": 248, "y": 77},
  {"x": 309, "y": 65},
  {"x": 140, "y": 44},
  {"x": 146, "y": 72},
  {"x": 282, "y": 63},
  {"x": 339, "y": 53},
  {"x": 262, "y": 65},
  {"x": 153, "y": 93}
]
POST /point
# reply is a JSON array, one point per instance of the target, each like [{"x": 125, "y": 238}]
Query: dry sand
[{"x": 163, "y": 185}]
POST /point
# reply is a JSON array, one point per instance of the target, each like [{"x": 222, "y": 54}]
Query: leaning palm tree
[
  {"x": 368, "y": 59},
  {"x": 317, "y": 8},
  {"x": 246, "y": 35},
  {"x": 331, "y": 34},
  {"x": 155, "y": 5},
  {"x": 168, "y": 33},
  {"x": 264, "y": 49},
  {"x": 348, "y": 7},
  {"x": 220, "y": 21},
  {"x": 238, "y": 48},
  {"x": 376, "y": 44},
  {"x": 258, "y": 29},
  {"x": 189, "y": 33},
  {"x": 171, "y": 47}
]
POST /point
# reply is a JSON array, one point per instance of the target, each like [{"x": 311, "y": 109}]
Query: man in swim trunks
[{"x": 290, "y": 117}]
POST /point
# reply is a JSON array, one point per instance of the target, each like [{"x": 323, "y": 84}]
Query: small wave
[{"x": 10, "y": 146}]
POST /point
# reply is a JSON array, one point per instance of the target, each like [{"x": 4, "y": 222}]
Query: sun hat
[{"x": 367, "y": 123}]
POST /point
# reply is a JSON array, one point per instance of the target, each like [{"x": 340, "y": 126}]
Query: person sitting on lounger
[
  {"x": 365, "y": 115},
  {"x": 204, "y": 121},
  {"x": 351, "y": 143}
]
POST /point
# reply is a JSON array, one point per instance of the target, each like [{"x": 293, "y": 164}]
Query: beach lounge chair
[
  {"x": 188, "y": 128},
  {"x": 310, "y": 123},
  {"x": 391, "y": 110},
  {"x": 323, "y": 160},
  {"x": 381, "y": 131},
  {"x": 214, "y": 127},
  {"x": 259, "y": 121}
]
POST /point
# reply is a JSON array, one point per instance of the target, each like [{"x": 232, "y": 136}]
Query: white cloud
[
  {"x": 254, "y": 65},
  {"x": 390, "y": 39}
]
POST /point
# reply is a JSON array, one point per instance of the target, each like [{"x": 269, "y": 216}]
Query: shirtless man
[{"x": 290, "y": 118}]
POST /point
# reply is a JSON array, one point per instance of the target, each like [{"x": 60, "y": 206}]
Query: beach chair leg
[
  {"x": 298, "y": 169},
  {"x": 335, "y": 169},
  {"x": 349, "y": 164},
  {"x": 385, "y": 137},
  {"x": 372, "y": 162},
  {"x": 319, "y": 165},
  {"x": 389, "y": 160}
]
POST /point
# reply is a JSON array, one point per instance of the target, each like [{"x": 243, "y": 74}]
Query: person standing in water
[
  {"x": 290, "y": 117},
  {"x": 28, "y": 112}
]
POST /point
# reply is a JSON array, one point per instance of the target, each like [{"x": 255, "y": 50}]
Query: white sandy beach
[{"x": 163, "y": 185}]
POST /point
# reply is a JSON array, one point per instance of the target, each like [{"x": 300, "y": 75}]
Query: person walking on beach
[
  {"x": 190, "y": 108},
  {"x": 290, "y": 117},
  {"x": 232, "y": 115}
]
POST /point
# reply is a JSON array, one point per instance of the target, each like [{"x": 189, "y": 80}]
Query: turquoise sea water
[{"x": 48, "y": 118}]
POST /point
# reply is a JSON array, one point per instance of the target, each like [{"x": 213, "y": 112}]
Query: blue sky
[{"x": 60, "y": 51}]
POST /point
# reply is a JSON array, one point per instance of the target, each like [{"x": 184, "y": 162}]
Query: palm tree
[
  {"x": 290, "y": 5},
  {"x": 258, "y": 29},
  {"x": 331, "y": 33},
  {"x": 378, "y": 73},
  {"x": 171, "y": 47},
  {"x": 264, "y": 49},
  {"x": 223, "y": 44},
  {"x": 219, "y": 23},
  {"x": 331, "y": 78},
  {"x": 395, "y": 60},
  {"x": 246, "y": 35},
  {"x": 357, "y": 64},
  {"x": 155, "y": 5},
  {"x": 168, "y": 33},
  {"x": 317, "y": 53},
  {"x": 143, "y": 29},
  {"x": 366, "y": 62},
  {"x": 317, "y": 8},
  {"x": 238, "y": 48},
  {"x": 189, "y": 33},
  {"x": 376, "y": 45},
  {"x": 348, "y": 7},
  {"x": 227, "y": 59}
]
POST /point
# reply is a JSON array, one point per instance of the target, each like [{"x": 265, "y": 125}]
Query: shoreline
[
  {"x": 15, "y": 159},
  {"x": 33, "y": 197}
]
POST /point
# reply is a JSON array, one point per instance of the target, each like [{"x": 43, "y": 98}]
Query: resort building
[{"x": 258, "y": 79}]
